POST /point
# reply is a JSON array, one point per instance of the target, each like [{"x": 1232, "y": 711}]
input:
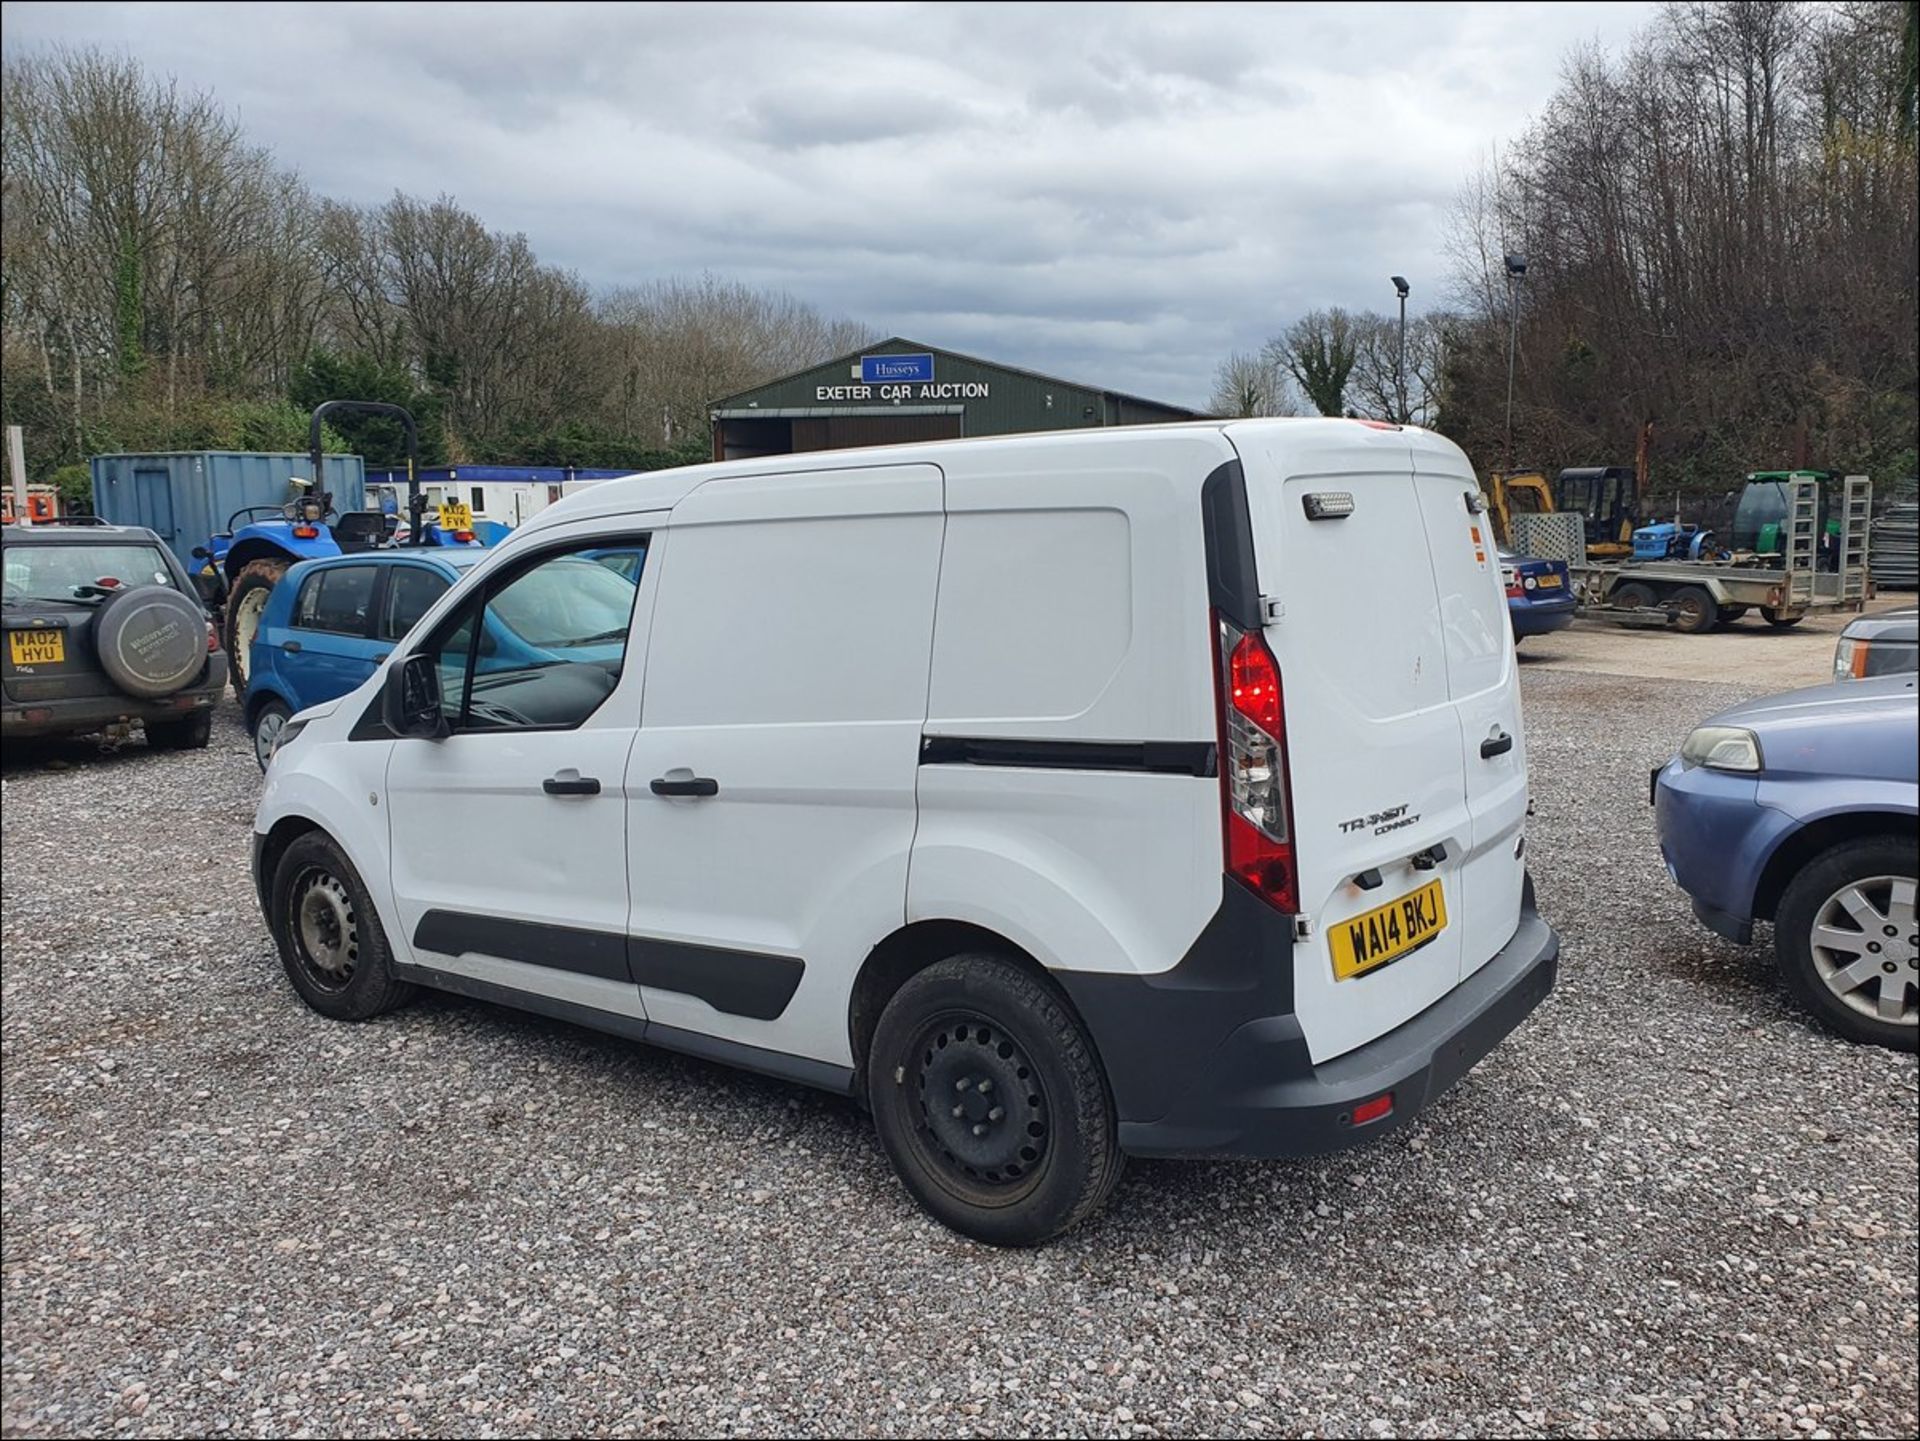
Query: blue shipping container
[{"x": 185, "y": 496}]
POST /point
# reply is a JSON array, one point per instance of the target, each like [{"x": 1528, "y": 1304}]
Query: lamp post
[
  {"x": 1516, "y": 271},
  {"x": 1400, "y": 371}
]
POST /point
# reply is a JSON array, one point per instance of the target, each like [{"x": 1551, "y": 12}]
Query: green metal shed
[{"x": 900, "y": 390}]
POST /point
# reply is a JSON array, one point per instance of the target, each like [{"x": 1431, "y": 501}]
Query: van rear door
[
  {"x": 1483, "y": 681},
  {"x": 1379, "y": 592}
]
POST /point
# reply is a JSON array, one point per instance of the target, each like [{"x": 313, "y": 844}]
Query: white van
[{"x": 1150, "y": 791}]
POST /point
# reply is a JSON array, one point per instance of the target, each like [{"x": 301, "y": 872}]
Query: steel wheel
[
  {"x": 325, "y": 929},
  {"x": 1864, "y": 942},
  {"x": 983, "y": 1122}
]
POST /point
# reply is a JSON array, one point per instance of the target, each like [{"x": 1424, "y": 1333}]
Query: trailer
[{"x": 1697, "y": 595}]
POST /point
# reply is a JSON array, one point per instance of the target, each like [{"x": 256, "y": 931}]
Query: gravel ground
[{"x": 1666, "y": 1205}]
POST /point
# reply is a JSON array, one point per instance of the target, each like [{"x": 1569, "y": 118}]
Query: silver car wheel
[
  {"x": 266, "y": 731},
  {"x": 1866, "y": 948}
]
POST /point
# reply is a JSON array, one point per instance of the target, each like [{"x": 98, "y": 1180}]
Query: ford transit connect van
[{"x": 1154, "y": 791}]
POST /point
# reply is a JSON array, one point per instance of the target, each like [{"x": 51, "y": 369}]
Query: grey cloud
[{"x": 1121, "y": 194}]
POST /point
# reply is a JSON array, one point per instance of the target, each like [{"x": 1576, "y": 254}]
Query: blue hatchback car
[
  {"x": 1803, "y": 809},
  {"x": 329, "y": 623}
]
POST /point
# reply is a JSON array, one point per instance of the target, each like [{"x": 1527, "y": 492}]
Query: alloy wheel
[{"x": 1866, "y": 948}]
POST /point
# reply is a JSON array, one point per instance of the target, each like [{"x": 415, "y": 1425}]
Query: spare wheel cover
[{"x": 151, "y": 640}]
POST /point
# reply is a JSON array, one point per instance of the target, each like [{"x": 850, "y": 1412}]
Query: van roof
[{"x": 663, "y": 489}]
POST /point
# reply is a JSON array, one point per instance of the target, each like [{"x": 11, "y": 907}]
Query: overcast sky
[{"x": 1110, "y": 193}]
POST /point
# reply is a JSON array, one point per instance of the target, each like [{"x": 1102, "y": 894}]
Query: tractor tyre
[{"x": 246, "y": 602}]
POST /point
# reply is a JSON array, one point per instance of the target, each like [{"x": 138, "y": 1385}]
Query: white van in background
[{"x": 1150, "y": 790}]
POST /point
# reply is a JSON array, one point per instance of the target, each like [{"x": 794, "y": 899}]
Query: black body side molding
[
  {"x": 821, "y": 1075},
  {"x": 1173, "y": 758},
  {"x": 739, "y": 983}
]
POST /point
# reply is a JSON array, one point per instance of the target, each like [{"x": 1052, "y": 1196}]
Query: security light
[
  {"x": 1399, "y": 285},
  {"x": 1516, "y": 265}
]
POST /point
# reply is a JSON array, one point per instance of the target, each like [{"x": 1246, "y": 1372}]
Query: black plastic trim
[
  {"x": 1152, "y": 1031},
  {"x": 562, "y": 948},
  {"x": 1181, "y": 758},
  {"x": 1233, "y": 584},
  {"x": 802, "y": 1070},
  {"x": 741, "y": 983},
  {"x": 1207, "y": 1071}
]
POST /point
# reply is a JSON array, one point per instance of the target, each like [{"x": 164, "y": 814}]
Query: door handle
[
  {"x": 291, "y": 647},
  {"x": 689, "y": 786},
  {"x": 570, "y": 783},
  {"x": 1497, "y": 744}
]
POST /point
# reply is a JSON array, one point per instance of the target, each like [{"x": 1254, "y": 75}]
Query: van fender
[
  {"x": 1059, "y": 904},
  {"x": 336, "y": 798}
]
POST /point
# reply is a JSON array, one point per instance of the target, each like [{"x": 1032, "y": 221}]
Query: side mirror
[{"x": 410, "y": 700}]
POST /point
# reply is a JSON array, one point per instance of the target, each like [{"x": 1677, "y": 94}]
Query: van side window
[
  {"x": 411, "y": 592},
  {"x": 543, "y": 647},
  {"x": 337, "y": 600}
]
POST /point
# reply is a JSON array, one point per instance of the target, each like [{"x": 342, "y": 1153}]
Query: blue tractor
[{"x": 241, "y": 565}]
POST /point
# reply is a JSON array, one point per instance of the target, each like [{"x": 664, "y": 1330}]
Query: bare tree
[
  {"x": 1247, "y": 385},
  {"x": 1319, "y": 351}
]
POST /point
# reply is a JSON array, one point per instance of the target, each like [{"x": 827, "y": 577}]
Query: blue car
[
  {"x": 1803, "y": 809},
  {"x": 330, "y": 623},
  {"x": 1539, "y": 595}
]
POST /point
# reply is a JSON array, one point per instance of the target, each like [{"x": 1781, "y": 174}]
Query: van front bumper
[{"x": 1260, "y": 1095}]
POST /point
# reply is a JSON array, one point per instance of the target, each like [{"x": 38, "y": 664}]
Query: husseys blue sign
[{"x": 882, "y": 369}]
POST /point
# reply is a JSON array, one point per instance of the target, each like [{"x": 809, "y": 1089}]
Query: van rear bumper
[{"x": 1259, "y": 1095}]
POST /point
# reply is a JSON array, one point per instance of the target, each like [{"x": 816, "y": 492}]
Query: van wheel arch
[
  {"x": 907, "y": 952},
  {"x": 285, "y": 832}
]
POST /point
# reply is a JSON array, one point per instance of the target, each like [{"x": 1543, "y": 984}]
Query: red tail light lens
[
  {"x": 213, "y": 639},
  {"x": 1253, "y": 769},
  {"x": 463, "y": 536},
  {"x": 306, "y": 532}
]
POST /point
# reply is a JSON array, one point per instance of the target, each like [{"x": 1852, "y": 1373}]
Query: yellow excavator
[
  {"x": 1524, "y": 492},
  {"x": 1607, "y": 498}
]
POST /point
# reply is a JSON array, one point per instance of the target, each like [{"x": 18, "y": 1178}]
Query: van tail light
[
  {"x": 1255, "y": 812},
  {"x": 213, "y": 639}
]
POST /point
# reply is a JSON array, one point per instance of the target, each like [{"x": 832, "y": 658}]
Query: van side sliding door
[{"x": 771, "y": 786}]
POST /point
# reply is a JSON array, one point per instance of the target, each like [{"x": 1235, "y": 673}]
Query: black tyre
[
  {"x": 1633, "y": 596},
  {"x": 330, "y": 938},
  {"x": 267, "y": 722},
  {"x": 246, "y": 599},
  {"x": 1780, "y": 619},
  {"x": 190, "y": 734},
  {"x": 1731, "y": 613},
  {"x": 991, "y": 1103},
  {"x": 1847, "y": 939},
  {"x": 1694, "y": 610}
]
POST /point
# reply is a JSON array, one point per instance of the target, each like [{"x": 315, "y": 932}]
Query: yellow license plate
[
  {"x": 456, "y": 515},
  {"x": 1387, "y": 932},
  {"x": 1548, "y": 581},
  {"x": 37, "y": 647}
]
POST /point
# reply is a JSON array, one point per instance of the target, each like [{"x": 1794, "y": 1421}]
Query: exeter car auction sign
[{"x": 900, "y": 377}]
